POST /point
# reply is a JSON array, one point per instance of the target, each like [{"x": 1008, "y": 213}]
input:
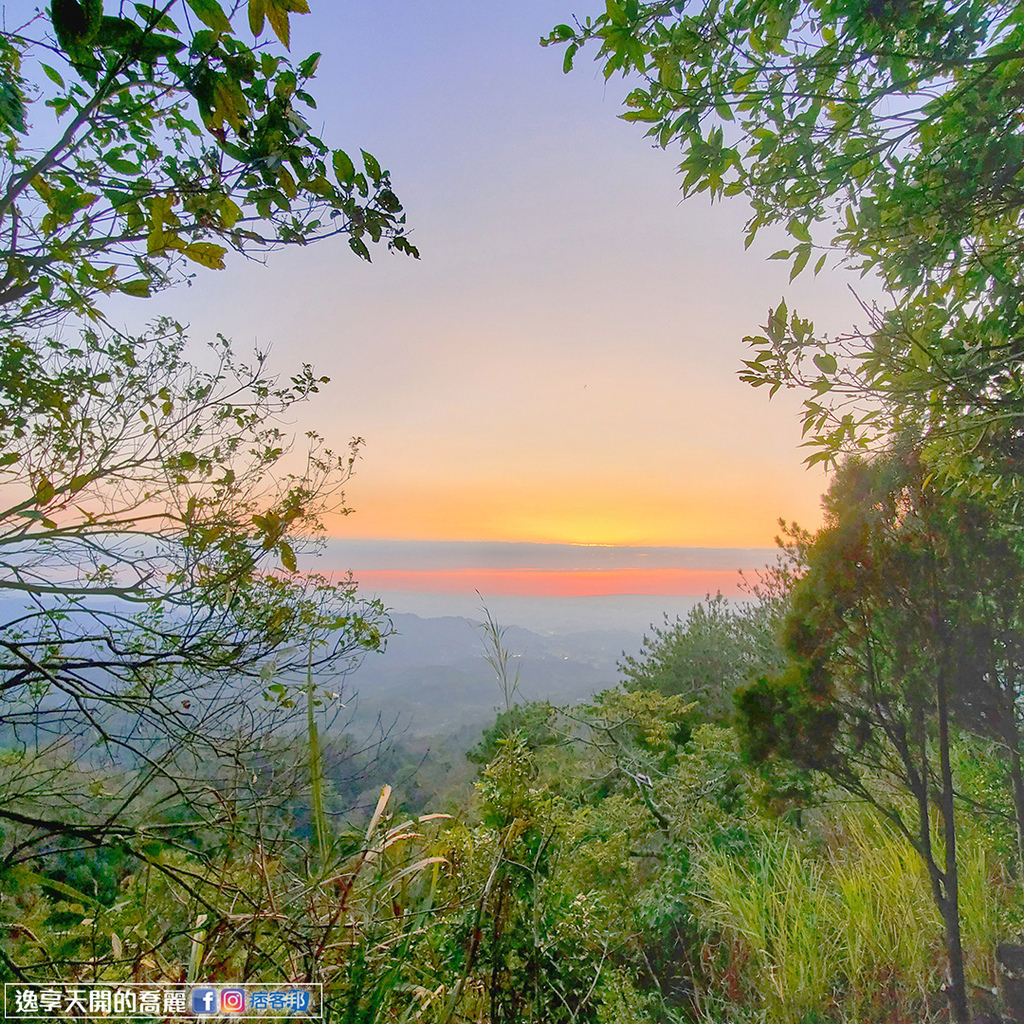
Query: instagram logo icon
[{"x": 232, "y": 1000}]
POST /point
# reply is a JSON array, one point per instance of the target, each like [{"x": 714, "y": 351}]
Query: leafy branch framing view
[
  {"x": 808, "y": 806},
  {"x": 156, "y": 618}
]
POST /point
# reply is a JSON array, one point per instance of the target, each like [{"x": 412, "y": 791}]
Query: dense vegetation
[
  {"x": 804, "y": 807},
  {"x": 622, "y": 860}
]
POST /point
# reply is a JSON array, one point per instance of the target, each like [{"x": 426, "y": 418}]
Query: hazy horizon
[
  {"x": 671, "y": 576},
  {"x": 545, "y": 615}
]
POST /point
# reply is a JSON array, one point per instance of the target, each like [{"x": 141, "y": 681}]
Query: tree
[
  {"x": 155, "y": 614},
  {"x": 709, "y": 655},
  {"x": 160, "y": 141},
  {"x": 891, "y": 645},
  {"x": 886, "y": 134},
  {"x": 534, "y": 723},
  {"x": 149, "y": 548}
]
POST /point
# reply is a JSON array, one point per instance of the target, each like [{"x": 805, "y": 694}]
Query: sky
[
  {"x": 560, "y": 366},
  {"x": 519, "y": 569}
]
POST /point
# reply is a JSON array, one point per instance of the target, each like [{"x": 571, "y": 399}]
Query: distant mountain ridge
[{"x": 435, "y": 679}]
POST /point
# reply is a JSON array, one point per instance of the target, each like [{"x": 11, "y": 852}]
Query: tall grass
[
  {"x": 768, "y": 910},
  {"x": 845, "y": 926},
  {"x": 316, "y": 770},
  {"x": 881, "y": 909}
]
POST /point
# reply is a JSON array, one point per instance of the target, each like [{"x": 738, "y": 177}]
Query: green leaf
[
  {"x": 799, "y": 230},
  {"x": 76, "y": 895},
  {"x": 257, "y": 9},
  {"x": 155, "y": 18},
  {"x": 229, "y": 212},
  {"x": 803, "y": 254},
  {"x": 777, "y": 322},
  {"x": 307, "y": 68},
  {"x": 277, "y": 15},
  {"x": 44, "y": 491},
  {"x": 64, "y": 920},
  {"x": 75, "y": 23},
  {"x": 52, "y": 75},
  {"x": 207, "y": 254},
  {"x": 122, "y": 166},
  {"x": 12, "y": 107},
  {"x": 372, "y": 166},
  {"x": 210, "y": 13},
  {"x": 154, "y": 47},
  {"x": 121, "y": 34},
  {"x": 344, "y": 169},
  {"x": 140, "y": 287},
  {"x": 36, "y": 516},
  {"x": 287, "y": 556},
  {"x": 826, "y": 362},
  {"x": 570, "y": 53}
]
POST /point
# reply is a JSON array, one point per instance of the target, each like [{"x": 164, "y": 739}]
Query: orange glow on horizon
[
  {"x": 735, "y": 513},
  {"x": 554, "y": 582}
]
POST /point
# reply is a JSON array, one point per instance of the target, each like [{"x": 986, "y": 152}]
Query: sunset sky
[{"x": 560, "y": 366}]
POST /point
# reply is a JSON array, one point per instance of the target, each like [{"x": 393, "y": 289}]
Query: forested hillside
[{"x": 807, "y": 806}]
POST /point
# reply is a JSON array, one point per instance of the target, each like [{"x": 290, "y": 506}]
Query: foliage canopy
[
  {"x": 155, "y": 511},
  {"x": 149, "y": 548},
  {"x": 159, "y": 141},
  {"x": 887, "y": 134},
  {"x": 906, "y": 624}
]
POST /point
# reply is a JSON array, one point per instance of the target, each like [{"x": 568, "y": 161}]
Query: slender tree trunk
[
  {"x": 1017, "y": 779},
  {"x": 949, "y": 906},
  {"x": 944, "y": 880},
  {"x": 1007, "y": 699}
]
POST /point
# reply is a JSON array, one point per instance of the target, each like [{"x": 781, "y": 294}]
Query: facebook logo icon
[{"x": 204, "y": 1000}]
